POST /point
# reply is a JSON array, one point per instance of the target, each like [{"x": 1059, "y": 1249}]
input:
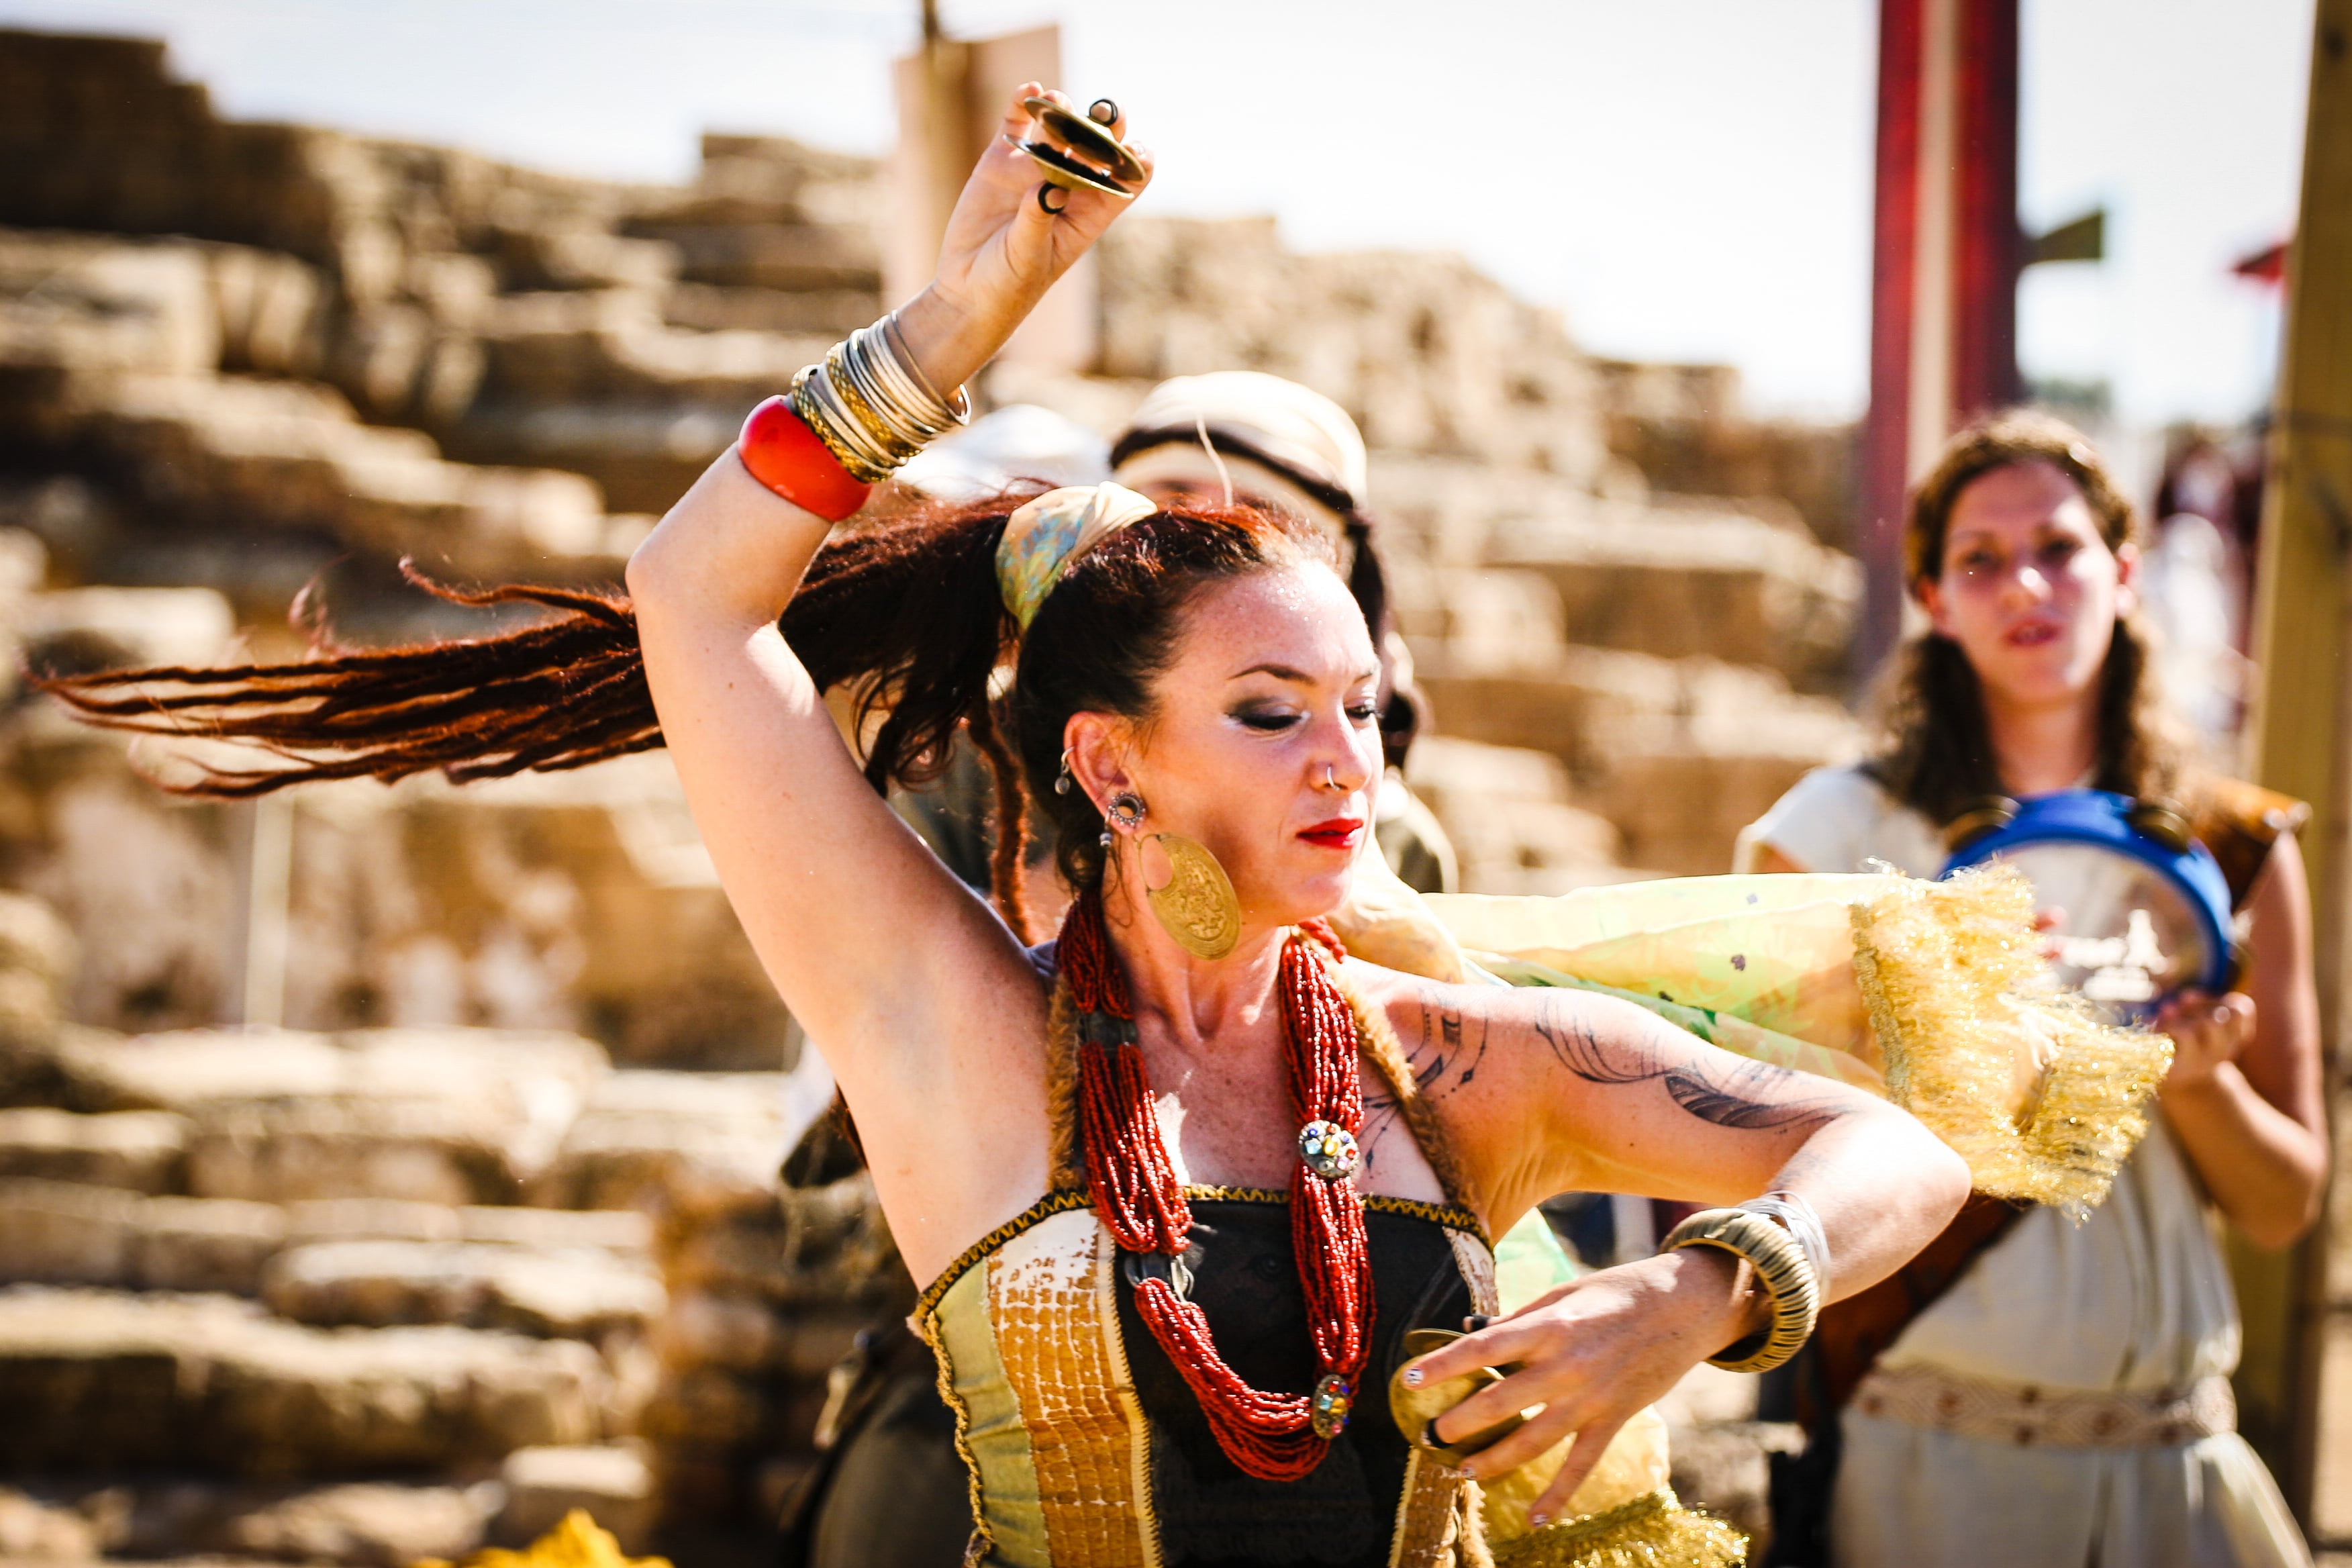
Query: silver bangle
[{"x": 871, "y": 405}]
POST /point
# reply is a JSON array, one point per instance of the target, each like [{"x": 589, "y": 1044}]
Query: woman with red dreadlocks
[{"x": 1202, "y": 1201}]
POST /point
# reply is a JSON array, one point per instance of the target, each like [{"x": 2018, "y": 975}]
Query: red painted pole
[
  {"x": 1885, "y": 458},
  {"x": 1946, "y": 251},
  {"x": 1990, "y": 244}
]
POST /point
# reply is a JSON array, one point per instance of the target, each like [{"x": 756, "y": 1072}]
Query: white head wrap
[{"x": 1294, "y": 425}]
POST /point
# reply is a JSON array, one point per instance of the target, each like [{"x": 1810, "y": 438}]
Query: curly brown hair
[{"x": 1937, "y": 755}]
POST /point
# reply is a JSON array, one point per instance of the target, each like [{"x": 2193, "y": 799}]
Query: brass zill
[{"x": 1078, "y": 152}]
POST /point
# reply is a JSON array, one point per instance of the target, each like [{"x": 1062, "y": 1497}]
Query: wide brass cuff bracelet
[{"x": 1781, "y": 1267}]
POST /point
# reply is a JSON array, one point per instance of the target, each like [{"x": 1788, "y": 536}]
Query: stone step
[
  {"x": 1725, "y": 586},
  {"x": 1677, "y": 755},
  {"x": 571, "y": 1293},
  {"x": 1507, "y": 811},
  {"x": 681, "y": 1144},
  {"x": 226, "y": 450},
  {"x": 141, "y": 1151},
  {"x": 211, "y": 1381},
  {"x": 59, "y": 1233},
  {"x": 350, "y": 1524},
  {"x": 450, "y": 1117},
  {"x": 613, "y": 1483},
  {"x": 1671, "y": 576},
  {"x": 65, "y": 1233}
]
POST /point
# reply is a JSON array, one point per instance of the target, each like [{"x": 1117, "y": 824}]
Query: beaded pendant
[
  {"x": 1334, "y": 1397},
  {"x": 1329, "y": 1149}
]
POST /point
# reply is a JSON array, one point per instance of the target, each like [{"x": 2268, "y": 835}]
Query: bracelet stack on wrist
[
  {"x": 870, "y": 405},
  {"x": 848, "y": 425},
  {"x": 1781, "y": 1257}
]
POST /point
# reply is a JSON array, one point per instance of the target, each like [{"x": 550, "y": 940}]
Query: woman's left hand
[
  {"x": 1004, "y": 249},
  {"x": 1594, "y": 1353},
  {"x": 2207, "y": 1032}
]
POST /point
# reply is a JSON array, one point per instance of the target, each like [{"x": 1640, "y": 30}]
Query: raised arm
[
  {"x": 1545, "y": 1092},
  {"x": 919, "y": 997}
]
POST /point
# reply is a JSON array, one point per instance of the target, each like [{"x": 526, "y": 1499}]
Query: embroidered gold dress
[{"x": 1087, "y": 1446}]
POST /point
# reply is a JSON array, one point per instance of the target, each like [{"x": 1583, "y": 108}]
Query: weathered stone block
[
  {"x": 689, "y": 1142},
  {"x": 705, "y": 1405},
  {"x": 438, "y": 1116},
  {"x": 185, "y": 1070},
  {"x": 423, "y": 1152},
  {"x": 578, "y": 1293},
  {"x": 615, "y": 1485},
  {"x": 142, "y": 1150},
  {"x": 1724, "y": 586},
  {"x": 205, "y": 1244},
  {"x": 626, "y": 1232},
  {"x": 370, "y": 1219},
  {"x": 129, "y": 1380},
  {"x": 35, "y": 1530},
  {"x": 362, "y": 1524},
  {"x": 737, "y": 1333},
  {"x": 112, "y": 628},
  {"x": 61, "y": 1234}
]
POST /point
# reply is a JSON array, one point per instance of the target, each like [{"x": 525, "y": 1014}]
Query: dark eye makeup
[{"x": 1272, "y": 720}]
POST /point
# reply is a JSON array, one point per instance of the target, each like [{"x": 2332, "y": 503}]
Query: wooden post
[
  {"x": 952, "y": 97},
  {"x": 2298, "y": 1336}
]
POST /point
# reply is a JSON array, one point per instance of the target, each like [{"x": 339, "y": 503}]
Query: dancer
[
  {"x": 889, "y": 1486},
  {"x": 1198, "y": 1200},
  {"x": 1244, "y": 435},
  {"x": 2113, "y": 1340}
]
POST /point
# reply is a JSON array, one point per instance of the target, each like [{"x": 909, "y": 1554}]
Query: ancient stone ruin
[{"x": 384, "y": 1171}]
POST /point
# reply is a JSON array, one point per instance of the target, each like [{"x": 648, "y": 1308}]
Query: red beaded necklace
[{"x": 1274, "y": 1436}]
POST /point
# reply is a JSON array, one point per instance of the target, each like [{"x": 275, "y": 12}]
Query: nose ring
[{"x": 1329, "y": 781}]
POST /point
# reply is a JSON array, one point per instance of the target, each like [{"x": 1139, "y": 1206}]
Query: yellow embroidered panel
[
  {"x": 1056, "y": 1321},
  {"x": 988, "y": 1429},
  {"x": 1426, "y": 1513}
]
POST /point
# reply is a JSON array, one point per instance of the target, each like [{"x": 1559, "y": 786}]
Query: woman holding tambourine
[{"x": 2032, "y": 1390}]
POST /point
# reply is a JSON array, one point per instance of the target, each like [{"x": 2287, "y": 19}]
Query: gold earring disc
[{"x": 1197, "y": 908}]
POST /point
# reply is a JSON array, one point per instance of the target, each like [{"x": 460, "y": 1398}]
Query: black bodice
[{"x": 1211, "y": 1513}]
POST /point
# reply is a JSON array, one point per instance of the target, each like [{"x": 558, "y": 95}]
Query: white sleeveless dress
[{"x": 2136, "y": 1299}]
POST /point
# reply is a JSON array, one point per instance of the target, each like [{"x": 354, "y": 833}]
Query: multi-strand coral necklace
[{"x": 1276, "y": 1436}]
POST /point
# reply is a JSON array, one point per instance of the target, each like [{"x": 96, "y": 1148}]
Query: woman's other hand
[
  {"x": 2207, "y": 1032},
  {"x": 1593, "y": 1353},
  {"x": 1003, "y": 250}
]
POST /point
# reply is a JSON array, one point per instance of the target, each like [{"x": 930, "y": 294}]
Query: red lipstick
[{"x": 1339, "y": 833}]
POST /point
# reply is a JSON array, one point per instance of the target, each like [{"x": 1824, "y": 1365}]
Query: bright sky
[{"x": 1687, "y": 179}]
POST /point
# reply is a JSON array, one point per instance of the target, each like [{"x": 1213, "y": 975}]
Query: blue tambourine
[{"x": 2143, "y": 909}]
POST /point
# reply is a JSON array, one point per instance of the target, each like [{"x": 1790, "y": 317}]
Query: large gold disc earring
[{"x": 1198, "y": 909}]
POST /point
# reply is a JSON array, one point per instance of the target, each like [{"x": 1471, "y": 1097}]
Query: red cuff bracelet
[{"x": 779, "y": 450}]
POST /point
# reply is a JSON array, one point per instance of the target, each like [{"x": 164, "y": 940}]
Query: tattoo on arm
[
  {"x": 1749, "y": 1096},
  {"x": 1450, "y": 1048}
]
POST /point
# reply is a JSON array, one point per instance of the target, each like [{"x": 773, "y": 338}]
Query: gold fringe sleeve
[
  {"x": 577, "y": 1543},
  {"x": 2041, "y": 1101},
  {"x": 1654, "y": 1531}
]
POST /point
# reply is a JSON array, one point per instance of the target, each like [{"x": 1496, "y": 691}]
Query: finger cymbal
[{"x": 1077, "y": 152}]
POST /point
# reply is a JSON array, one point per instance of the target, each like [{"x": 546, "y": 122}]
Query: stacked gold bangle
[
  {"x": 870, "y": 405},
  {"x": 1787, "y": 1275}
]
